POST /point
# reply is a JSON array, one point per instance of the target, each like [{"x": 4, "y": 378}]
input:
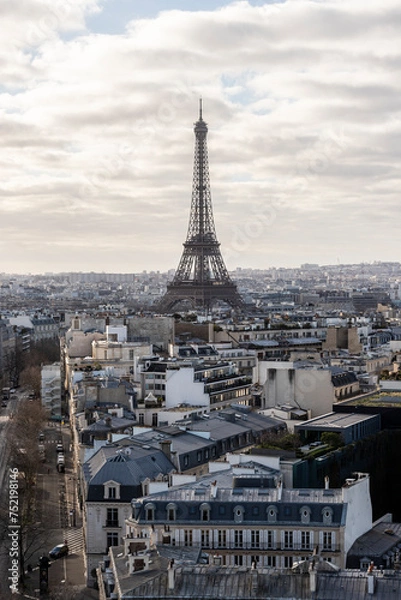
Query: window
[
  {"x": 305, "y": 540},
  {"x": 186, "y": 460},
  {"x": 222, "y": 538},
  {"x": 112, "y": 517},
  {"x": 327, "y": 540},
  {"x": 238, "y": 560},
  {"x": 171, "y": 512},
  {"x": 199, "y": 456},
  {"x": 205, "y": 538},
  {"x": 255, "y": 538},
  {"x": 187, "y": 537},
  {"x": 205, "y": 512},
  {"x": 150, "y": 512},
  {"x": 141, "y": 418},
  {"x": 131, "y": 355},
  {"x": 271, "y": 561},
  {"x": 287, "y": 562},
  {"x": 112, "y": 539},
  {"x": 288, "y": 539},
  {"x": 238, "y": 538},
  {"x": 327, "y": 515},
  {"x": 111, "y": 491},
  {"x": 154, "y": 419},
  {"x": 270, "y": 539},
  {"x": 305, "y": 514},
  {"x": 271, "y": 514},
  {"x": 238, "y": 514}
]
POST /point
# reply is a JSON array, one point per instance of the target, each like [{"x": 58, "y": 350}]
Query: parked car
[
  {"x": 59, "y": 551},
  {"x": 59, "y": 447}
]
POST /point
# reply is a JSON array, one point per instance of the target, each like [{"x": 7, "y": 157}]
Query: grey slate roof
[
  {"x": 201, "y": 582},
  {"x": 109, "y": 423},
  {"x": 377, "y": 541},
  {"x": 130, "y": 470},
  {"x": 223, "y": 491}
]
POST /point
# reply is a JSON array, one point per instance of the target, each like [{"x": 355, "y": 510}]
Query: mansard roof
[
  {"x": 128, "y": 467},
  {"x": 255, "y": 493}
]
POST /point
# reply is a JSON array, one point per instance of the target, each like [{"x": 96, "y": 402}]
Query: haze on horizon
[{"x": 97, "y": 104}]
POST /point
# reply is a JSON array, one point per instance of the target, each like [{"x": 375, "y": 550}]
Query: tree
[
  {"x": 332, "y": 439},
  {"x": 281, "y": 440},
  {"x": 22, "y": 438},
  {"x": 13, "y": 363},
  {"x": 31, "y": 378}
]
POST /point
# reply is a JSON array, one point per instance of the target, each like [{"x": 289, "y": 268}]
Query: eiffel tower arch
[{"x": 201, "y": 278}]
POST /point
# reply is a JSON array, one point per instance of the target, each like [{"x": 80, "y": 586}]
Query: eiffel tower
[{"x": 201, "y": 277}]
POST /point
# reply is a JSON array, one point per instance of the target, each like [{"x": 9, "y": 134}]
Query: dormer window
[
  {"x": 271, "y": 514},
  {"x": 327, "y": 515},
  {"x": 238, "y": 514},
  {"x": 305, "y": 514},
  {"x": 205, "y": 511},
  {"x": 171, "y": 511},
  {"x": 150, "y": 511},
  {"x": 111, "y": 490}
]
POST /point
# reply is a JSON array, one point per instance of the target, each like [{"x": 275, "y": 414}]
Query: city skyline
[{"x": 98, "y": 100}]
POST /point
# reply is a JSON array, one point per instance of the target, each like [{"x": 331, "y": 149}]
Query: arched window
[
  {"x": 271, "y": 513},
  {"x": 305, "y": 514},
  {"x": 171, "y": 511},
  {"x": 238, "y": 514},
  {"x": 327, "y": 513},
  {"x": 205, "y": 511},
  {"x": 150, "y": 511}
]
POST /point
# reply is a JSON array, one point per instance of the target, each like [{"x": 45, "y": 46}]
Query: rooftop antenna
[{"x": 200, "y": 109}]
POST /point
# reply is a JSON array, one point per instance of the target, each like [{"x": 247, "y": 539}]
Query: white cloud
[{"x": 301, "y": 98}]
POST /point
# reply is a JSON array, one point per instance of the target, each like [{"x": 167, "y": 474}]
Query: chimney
[
  {"x": 166, "y": 448},
  {"x": 371, "y": 579},
  {"x": 279, "y": 489},
  {"x": 326, "y": 482},
  {"x": 371, "y": 583},
  {"x": 312, "y": 577},
  {"x": 170, "y": 574},
  {"x": 213, "y": 489}
]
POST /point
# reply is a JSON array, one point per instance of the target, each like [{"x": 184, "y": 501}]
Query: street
[{"x": 59, "y": 516}]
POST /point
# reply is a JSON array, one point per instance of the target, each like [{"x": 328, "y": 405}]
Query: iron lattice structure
[{"x": 201, "y": 277}]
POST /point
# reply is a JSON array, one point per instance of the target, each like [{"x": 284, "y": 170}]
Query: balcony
[{"x": 112, "y": 523}]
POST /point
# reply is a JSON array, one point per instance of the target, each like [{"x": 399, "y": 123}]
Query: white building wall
[
  {"x": 51, "y": 388},
  {"x": 181, "y": 388},
  {"x": 116, "y": 333},
  {"x": 390, "y": 386},
  {"x": 307, "y": 388},
  {"x": 96, "y": 533},
  {"x": 359, "y": 510}
]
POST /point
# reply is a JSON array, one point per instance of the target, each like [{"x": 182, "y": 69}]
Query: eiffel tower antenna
[{"x": 201, "y": 277}]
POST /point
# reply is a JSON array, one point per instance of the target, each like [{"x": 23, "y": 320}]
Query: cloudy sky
[{"x": 97, "y": 104}]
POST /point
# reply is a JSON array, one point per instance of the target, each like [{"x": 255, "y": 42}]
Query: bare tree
[
  {"x": 13, "y": 364},
  {"x": 22, "y": 437}
]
